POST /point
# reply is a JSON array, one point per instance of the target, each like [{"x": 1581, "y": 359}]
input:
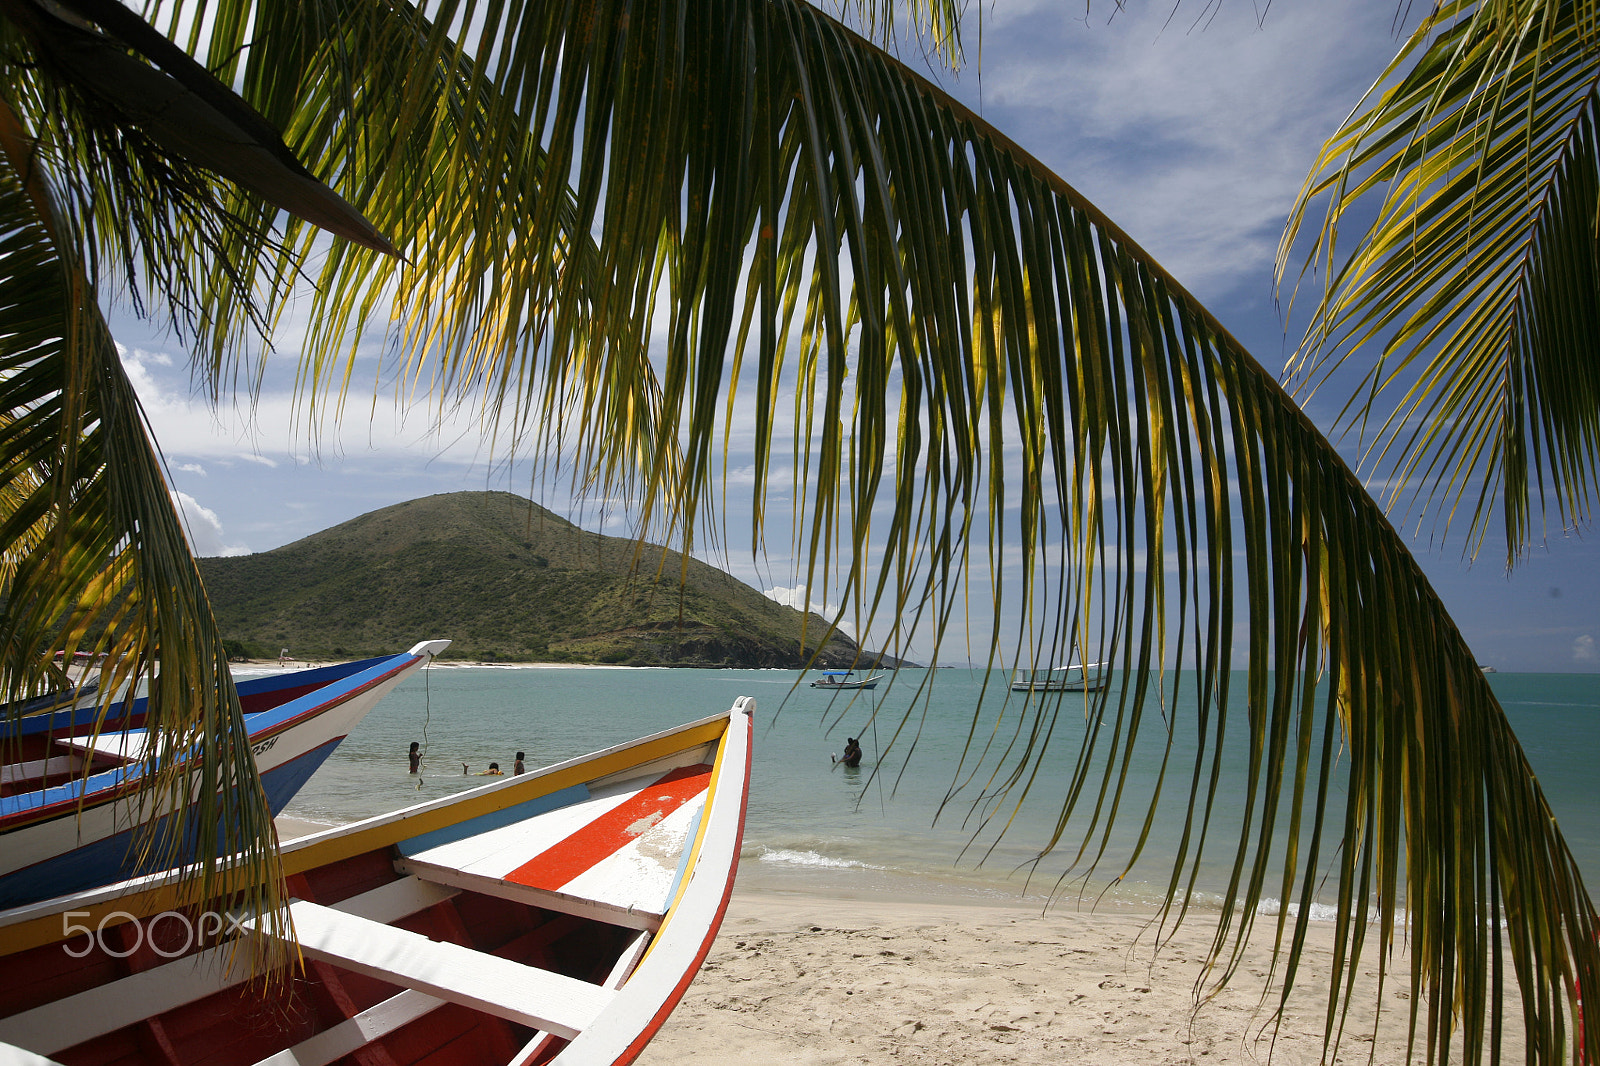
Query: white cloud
[
  {"x": 142, "y": 356},
  {"x": 277, "y": 430},
  {"x": 1193, "y": 137},
  {"x": 193, "y": 468},
  {"x": 136, "y": 364},
  {"x": 799, "y": 597},
  {"x": 1583, "y": 650},
  {"x": 205, "y": 529}
]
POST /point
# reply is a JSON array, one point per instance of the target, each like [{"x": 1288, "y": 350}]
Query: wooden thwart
[
  {"x": 549, "y": 1001},
  {"x": 353, "y": 1034},
  {"x": 54, "y": 1026},
  {"x": 611, "y": 913},
  {"x": 121, "y": 747},
  {"x": 35, "y": 769},
  {"x": 16, "y": 1056}
]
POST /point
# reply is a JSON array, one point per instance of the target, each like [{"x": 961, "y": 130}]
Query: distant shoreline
[{"x": 272, "y": 666}]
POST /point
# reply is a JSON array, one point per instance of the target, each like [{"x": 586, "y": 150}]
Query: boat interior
[{"x": 452, "y": 946}]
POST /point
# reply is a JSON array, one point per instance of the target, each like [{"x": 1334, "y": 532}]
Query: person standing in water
[
  {"x": 852, "y": 754},
  {"x": 416, "y": 756},
  {"x": 517, "y": 769}
]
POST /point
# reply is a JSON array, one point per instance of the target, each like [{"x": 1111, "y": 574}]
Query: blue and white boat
[
  {"x": 69, "y": 803},
  {"x": 845, "y": 679}
]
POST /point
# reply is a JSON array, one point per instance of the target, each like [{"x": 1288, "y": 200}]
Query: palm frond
[
  {"x": 117, "y": 63},
  {"x": 1470, "y": 175},
  {"x": 935, "y": 23},
  {"x": 798, "y": 238},
  {"x": 651, "y": 226},
  {"x": 97, "y": 560}
]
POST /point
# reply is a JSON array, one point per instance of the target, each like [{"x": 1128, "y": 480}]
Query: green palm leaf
[
  {"x": 965, "y": 357},
  {"x": 96, "y": 559},
  {"x": 636, "y": 226},
  {"x": 1477, "y": 280}
]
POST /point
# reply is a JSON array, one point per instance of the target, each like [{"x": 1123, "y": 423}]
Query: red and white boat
[{"x": 553, "y": 917}]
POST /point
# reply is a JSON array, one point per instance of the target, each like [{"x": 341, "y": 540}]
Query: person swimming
[
  {"x": 852, "y": 754},
  {"x": 493, "y": 770}
]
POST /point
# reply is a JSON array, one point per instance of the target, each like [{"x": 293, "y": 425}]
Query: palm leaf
[
  {"x": 86, "y": 44},
  {"x": 618, "y": 208},
  {"x": 96, "y": 559},
  {"x": 1476, "y": 161},
  {"x": 976, "y": 361}
]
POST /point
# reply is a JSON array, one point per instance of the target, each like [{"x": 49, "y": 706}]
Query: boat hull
[
  {"x": 1057, "y": 686},
  {"x": 556, "y": 917},
  {"x": 84, "y": 832},
  {"x": 840, "y": 681},
  {"x": 1092, "y": 678}
]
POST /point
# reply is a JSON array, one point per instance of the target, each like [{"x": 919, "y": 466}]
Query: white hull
[
  {"x": 88, "y": 842},
  {"x": 1091, "y": 678}
]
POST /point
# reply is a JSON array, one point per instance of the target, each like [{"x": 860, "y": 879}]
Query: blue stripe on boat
[
  {"x": 109, "y": 860},
  {"x": 70, "y": 719},
  {"x": 324, "y": 693},
  {"x": 449, "y": 834},
  {"x": 256, "y": 724},
  {"x": 688, "y": 849}
]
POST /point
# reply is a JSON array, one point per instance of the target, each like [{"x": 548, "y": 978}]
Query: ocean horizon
[{"x": 922, "y": 817}]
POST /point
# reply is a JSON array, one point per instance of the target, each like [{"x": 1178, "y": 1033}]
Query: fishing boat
[
  {"x": 845, "y": 679},
  {"x": 69, "y": 805},
  {"x": 553, "y": 917},
  {"x": 1090, "y": 677}
]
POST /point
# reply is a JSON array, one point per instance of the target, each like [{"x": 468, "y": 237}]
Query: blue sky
[{"x": 1195, "y": 138}]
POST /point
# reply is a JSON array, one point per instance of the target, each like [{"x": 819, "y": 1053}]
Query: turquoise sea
[{"x": 921, "y": 828}]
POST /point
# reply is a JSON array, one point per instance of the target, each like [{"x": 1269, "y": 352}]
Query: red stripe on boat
[{"x": 612, "y": 831}]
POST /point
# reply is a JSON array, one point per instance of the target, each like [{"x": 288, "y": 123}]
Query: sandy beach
[
  {"x": 816, "y": 980},
  {"x": 812, "y": 981}
]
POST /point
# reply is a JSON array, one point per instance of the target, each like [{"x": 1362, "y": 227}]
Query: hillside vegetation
[{"x": 507, "y": 580}]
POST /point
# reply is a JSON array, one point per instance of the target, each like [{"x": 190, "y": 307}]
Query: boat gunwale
[
  {"x": 71, "y": 715},
  {"x": 118, "y": 782},
  {"x": 718, "y": 841},
  {"x": 35, "y": 924}
]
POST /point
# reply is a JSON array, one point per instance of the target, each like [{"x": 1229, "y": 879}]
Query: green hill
[{"x": 507, "y": 580}]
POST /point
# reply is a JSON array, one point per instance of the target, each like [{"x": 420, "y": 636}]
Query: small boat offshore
[
  {"x": 845, "y": 679},
  {"x": 1090, "y": 677}
]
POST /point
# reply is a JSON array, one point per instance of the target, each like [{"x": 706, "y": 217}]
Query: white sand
[{"x": 807, "y": 981}]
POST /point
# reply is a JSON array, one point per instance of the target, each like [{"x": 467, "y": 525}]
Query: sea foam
[{"x": 790, "y": 857}]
